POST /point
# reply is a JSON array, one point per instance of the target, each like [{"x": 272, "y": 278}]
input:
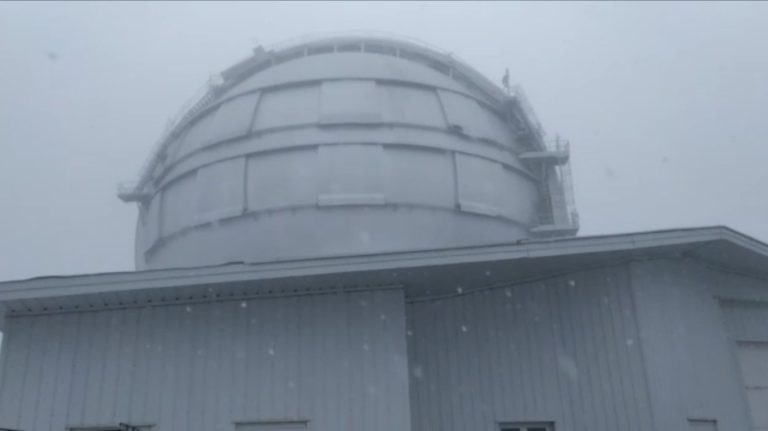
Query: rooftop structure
[
  {"x": 348, "y": 145},
  {"x": 364, "y": 234}
]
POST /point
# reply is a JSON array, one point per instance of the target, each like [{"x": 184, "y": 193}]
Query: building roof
[{"x": 422, "y": 273}]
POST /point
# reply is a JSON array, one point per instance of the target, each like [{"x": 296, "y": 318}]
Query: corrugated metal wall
[
  {"x": 338, "y": 360},
  {"x": 746, "y": 320},
  {"x": 692, "y": 369},
  {"x": 563, "y": 350}
]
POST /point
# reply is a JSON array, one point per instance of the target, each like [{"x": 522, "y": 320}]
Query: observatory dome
[{"x": 343, "y": 146}]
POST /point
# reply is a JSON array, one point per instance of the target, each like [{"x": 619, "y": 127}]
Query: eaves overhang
[{"x": 418, "y": 273}]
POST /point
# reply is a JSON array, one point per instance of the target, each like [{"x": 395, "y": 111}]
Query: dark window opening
[
  {"x": 527, "y": 426},
  {"x": 322, "y": 49},
  {"x": 380, "y": 49},
  {"x": 353, "y": 47}
]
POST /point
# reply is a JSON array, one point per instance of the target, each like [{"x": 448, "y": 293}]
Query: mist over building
[{"x": 363, "y": 233}]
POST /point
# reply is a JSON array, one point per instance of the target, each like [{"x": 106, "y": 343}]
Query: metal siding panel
[
  {"x": 549, "y": 351},
  {"x": 143, "y": 365},
  {"x": 679, "y": 319},
  {"x": 129, "y": 349},
  {"x": 34, "y": 363},
  {"x": 155, "y": 356},
  {"x": 95, "y": 364},
  {"x": 351, "y": 174},
  {"x": 480, "y": 184},
  {"x": 753, "y": 361},
  {"x": 51, "y": 356},
  {"x": 152, "y": 221},
  {"x": 220, "y": 190},
  {"x": 283, "y": 178},
  {"x": 345, "y": 65},
  {"x": 210, "y": 373},
  {"x": 76, "y": 394},
  {"x": 288, "y": 106},
  {"x": 515, "y": 195},
  {"x": 64, "y": 371},
  {"x": 179, "y": 208},
  {"x": 349, "y": 101},
  {"x": 411, "y": 105},
  {"x": 746, "y": 321},
  {"x": 419, "y": 177},
  {"x": 197, "y": 135},
  {"x": 473, "y": 119},
  {"x": 197, "y": 332}
]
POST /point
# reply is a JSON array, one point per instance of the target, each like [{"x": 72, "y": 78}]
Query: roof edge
[{"x": 234, "y": 272}]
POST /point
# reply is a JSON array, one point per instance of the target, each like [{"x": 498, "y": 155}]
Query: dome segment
[{"x": 343, "y": 146}]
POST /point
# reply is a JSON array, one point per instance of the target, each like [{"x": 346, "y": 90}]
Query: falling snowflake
[{"x": 418, "y": 372}]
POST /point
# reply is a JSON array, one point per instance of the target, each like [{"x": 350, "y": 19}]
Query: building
[{"x": 358, "y": 233}]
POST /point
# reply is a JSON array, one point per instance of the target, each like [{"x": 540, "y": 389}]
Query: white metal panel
[
  {"x": 753, "y": 361},
  {"x": 473, "y": 119},
  {"x": 349, "y": 101},
  {"x": 197, "y": 135},
  {"x": 412, "y": 105},
  {"x": 283, "y": 178},
  {"x": 234, "y": 118},
  {"x": 692, "y": 370},
  {"x": 288, "y": 106},
  {"x": 201, "y": 367},
  {"x": 480, "y": 184},
  {"x": 346, "y": 66},
  {"x": 746, "y": 320},
  {"x": 221, "y": 189},
  {"x": 151, "y": 220},
  {"x": 516, "y": 195},
  {"x": 351, "y": 174},
  {"x": 754, "y": 364},
  {"x": 565, "y": 350},
  {"x": 179, "y": 208},
  {"x": 758, "y": 406},
  {"x": 420, "y": 177}
]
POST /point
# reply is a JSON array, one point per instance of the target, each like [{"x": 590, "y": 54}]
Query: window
[
  {"x": 528, "y": 426},
  {"x": 118, "y": 427},
  {"x": 220, "y": 192},
  {"x": 702, "y": 424},
  {"x": 275, "y": 425}
]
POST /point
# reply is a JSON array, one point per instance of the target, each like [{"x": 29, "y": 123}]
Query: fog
[{"x": 665, "y": 105}]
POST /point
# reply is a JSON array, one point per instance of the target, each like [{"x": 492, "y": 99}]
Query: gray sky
[{"x": 665, "y": 105}]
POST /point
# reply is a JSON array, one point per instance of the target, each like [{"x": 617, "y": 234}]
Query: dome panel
[{"x": 338, "y": 153}]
